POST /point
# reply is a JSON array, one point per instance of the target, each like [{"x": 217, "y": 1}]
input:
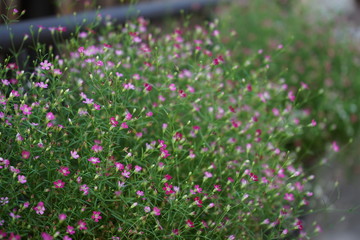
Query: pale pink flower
[
  {"x": 21, "y": 179},
  {"x": 74, "y": 154},
  {"x": 40, "y": 209},
  {"x": 94, "y": 160}
]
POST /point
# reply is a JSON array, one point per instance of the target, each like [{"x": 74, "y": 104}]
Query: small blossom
[
  {"x": 124, "y": 125},
  {"x": 82, "y": 225},
  {"x": 46, "y": 236},
  {"x": 21, "y": 179},
  {"x": 96, "y": 216},
  {"x": 40, "y": 209},
  {"x": 208, "y": 174},
  {"x": 190, "y": 223},
  {"x": 113, "y": 121},
  {"x": 64, "y": 171},
  {"x": 335, "y": 147},
  {"x": 94, "y": 160},
  {"x": 45, "y": 65},
  {"x": 62, "y": 217},
  {"x": 85, "y": 189},
  {"x": 25, "y": 154},
  {"x": 289, "y": 197},
  {"x": 70, "y": 230},
  {"x": 59, "y": 184},
  {"x": 156, "y": 211},
  {"x": 74, "y": 154}
]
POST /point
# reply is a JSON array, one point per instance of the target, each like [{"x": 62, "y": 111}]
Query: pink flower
[
  {"x": 335, "y": 147},
  {"x": 40, "y": 209},
  {"x": 156, "y": 211},
  {"x": 291, "y": 96},
  {"x": 97, "y": 148},
  {"x": 85, "y": 189},
  {"x": 13, "y": 236},
  {"x": 94, "y": 160},
  {"x": 289, "y": 197},
  {"x": 198, "y": 201},
  {"x": 70, "y": 230},
  {"x": 147, "y": 209},
  {"x": 124, "y": 125},
  {"x": 137, "y": 168},
  {"x": 190, "y": 223},
  {"x": 64, "y": 171},
  {"x": 96, "y": 216},
  {"x": 313, "y": 123},
  {"x": 25, "y": 154},
  {"x": 74, "y": 154},
  {"x": 168, "y": 189},
  {"x": 168, "y": 177},
  {"x": 62, "y": 217},
  {"x": 46, "y": 236},
  {"x": 113, "y": 122},
  {"x": 217, "y": 188},
  {"x": 50, "y": 116},
  {"x": 172, "y": 87},
  {"x": 45, "y": 65},
  {"x": 208, "y": 174},
  {"x": 126, "y": 174},
  {"x": 21, "y": 179},
  {"x": 82, "y": 225},
  {"x": 59, "y": 184}
]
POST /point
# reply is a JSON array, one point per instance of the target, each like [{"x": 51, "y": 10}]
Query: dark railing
[{"x": 151, "y": 10}]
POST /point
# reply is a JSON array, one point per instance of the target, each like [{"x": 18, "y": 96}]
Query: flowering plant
[{"x": 136, "y": 133}]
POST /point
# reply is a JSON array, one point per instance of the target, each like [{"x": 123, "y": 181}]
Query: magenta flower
[
  {"x": 82, "y": 225},
  {"x": 156, "y": 211},
  {"x": 335, "y": 147},
  {"x": 113, "y": 122},
  {"x": 289, "y": 197},
  {"x": 64, "y": 171},
  {"x": 97, "y": 148},
  {"x": 217, "y": 188},
  {"x": 25, "y": 154},
  {"x": 46, "y": 236},
  {"x": 59, "y": 184},
  {"x": 124, "y": 125},
  {"x": 14, "y": 236},
  {"x": 70, "y": 230},
  {"x": 190, "y": 223},
  {"x": 62, "y": 217},
  {"x": 40, "y": 209},
  {"x": 168, "y": 189},
  {"x": 50, "y": 116},
  {"x": 137, "y": 168},
  {"x": 94, "y": 160},
  {"x": 96, "y": 216}
]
